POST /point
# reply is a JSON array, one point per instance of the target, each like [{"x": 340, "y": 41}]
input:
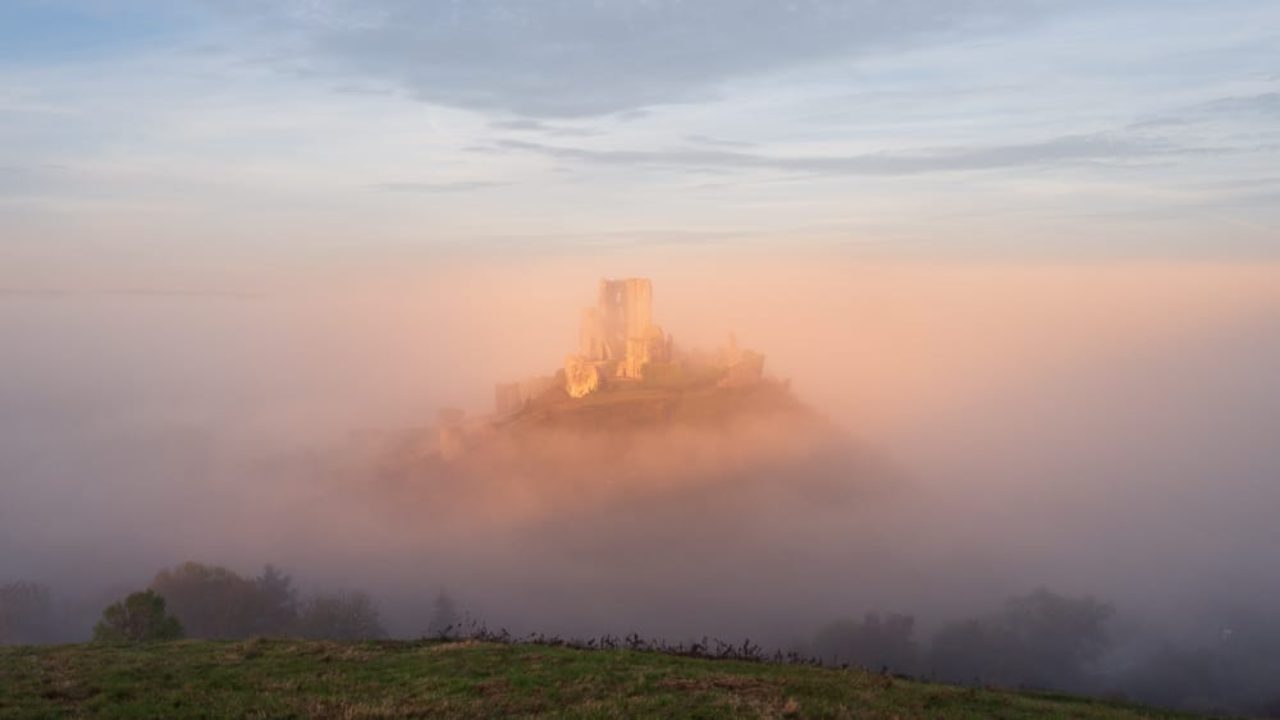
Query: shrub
[{"x": 141, "y": 617}]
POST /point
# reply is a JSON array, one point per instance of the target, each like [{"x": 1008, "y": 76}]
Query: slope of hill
[
  {"x": 293, "y": 678},
  {"x": 648, "y": 405}
]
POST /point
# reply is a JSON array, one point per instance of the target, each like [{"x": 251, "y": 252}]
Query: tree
[
  {"x": 875, "y": 642},
  {"x": 213, "y": 602},
  {"x": 340, "y": 616},
  {"x": 444, "y": 616},
  {"x": 140, "y": 617},
  {"x": 1042, "y": 640},
  {"x": 26, "y": 613},
  {"x": 1058, "y": 637},
  {"x": 976, "y": 650},
  {"x": 210, "y": 601},
  {"x": 274, "y": 606},
  {"x": 1233, "y": 672}
]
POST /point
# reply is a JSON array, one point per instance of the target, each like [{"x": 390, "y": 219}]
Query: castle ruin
[
  {"x": 619, "y": 345},
  {"x": 618, "y": 338}
]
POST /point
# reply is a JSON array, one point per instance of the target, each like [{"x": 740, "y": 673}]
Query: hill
[
  {"x": 294, "y": 678},
  {"x": 650, "y": 405}
]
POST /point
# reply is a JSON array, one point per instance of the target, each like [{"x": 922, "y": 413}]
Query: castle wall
[{"x": 627, "y": 309}]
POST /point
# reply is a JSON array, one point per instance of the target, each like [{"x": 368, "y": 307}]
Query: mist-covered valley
[{"x": 1095, "y": 442}]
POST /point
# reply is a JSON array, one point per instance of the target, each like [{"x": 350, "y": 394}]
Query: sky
[
  {"x": 217, "y": 147},
  {"x": 1027, "y": 252}
]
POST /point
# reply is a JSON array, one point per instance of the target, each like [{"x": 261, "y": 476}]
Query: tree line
[
  {"x": 1047, "y": 641},
  {"x": 199, "y": 600},
  {"x": 1040, "y": 640}
]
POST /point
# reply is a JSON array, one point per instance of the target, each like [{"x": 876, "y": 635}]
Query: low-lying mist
[{"x": 977, "y": 432}]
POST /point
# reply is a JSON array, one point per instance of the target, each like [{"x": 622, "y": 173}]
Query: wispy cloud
[
  {"x": 1237, "y": 107},
  {"x": 52, "y": 292},
  {"x": 1267, "y": 104},
  {"x": 538, "y": 126},
  {"x": 1067, "y": 149},
  {"x": 717, "y": 142},
  {"x": 436, "y": 187}
]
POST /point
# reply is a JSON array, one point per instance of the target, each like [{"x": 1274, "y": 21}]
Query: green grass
[{"x": 294, "y": 678}]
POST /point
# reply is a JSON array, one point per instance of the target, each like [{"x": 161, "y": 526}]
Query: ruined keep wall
[
  {"x": 637, "y": 311},
  {"x": 631, "y": 310},
  {"x": 617, "y": 336}
]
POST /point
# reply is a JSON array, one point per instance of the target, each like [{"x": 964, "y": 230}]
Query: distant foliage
[
  {"x": 445, "y": 621},
  {"x": 1232, "y": 673},
  {"x": 26, "y": 614},
  {"x": 214, "y": 602},
  {"x": 1041, "y": 640},
  {"x": 141, "y": 617},
  {"x": 209, "y": 601},
  {"x": 273, "y": 610},
  {"x": 340, "y": 616},
  {"x": 875, "y": 642}
]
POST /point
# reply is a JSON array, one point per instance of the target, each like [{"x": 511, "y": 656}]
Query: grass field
[{"x": 294, "y": 678}]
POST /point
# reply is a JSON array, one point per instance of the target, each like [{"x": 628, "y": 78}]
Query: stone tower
[{"x": 618, "y": 337}]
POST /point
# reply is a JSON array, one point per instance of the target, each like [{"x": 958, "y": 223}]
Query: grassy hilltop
[{"x": 294, "y": 678}]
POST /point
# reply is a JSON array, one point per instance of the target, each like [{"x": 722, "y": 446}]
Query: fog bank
[{"x": 1105, "y": 430}]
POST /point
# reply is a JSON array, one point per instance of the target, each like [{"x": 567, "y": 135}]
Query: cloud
[
  {"x": 717, "y": 142},
  {"x": 1066, "y": 149},
  {"x": 129, "y": 292},
  {"x": 1263, "y": 106},
  {"x": 578, "y": 58},
  {"x": 531, "y": 125},
  {"x": 1266, "y": 105},
  {"x": 435, "y": 187}
]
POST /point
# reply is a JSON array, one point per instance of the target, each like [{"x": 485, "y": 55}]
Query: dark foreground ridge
[{"x": 470, "y": 678}]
